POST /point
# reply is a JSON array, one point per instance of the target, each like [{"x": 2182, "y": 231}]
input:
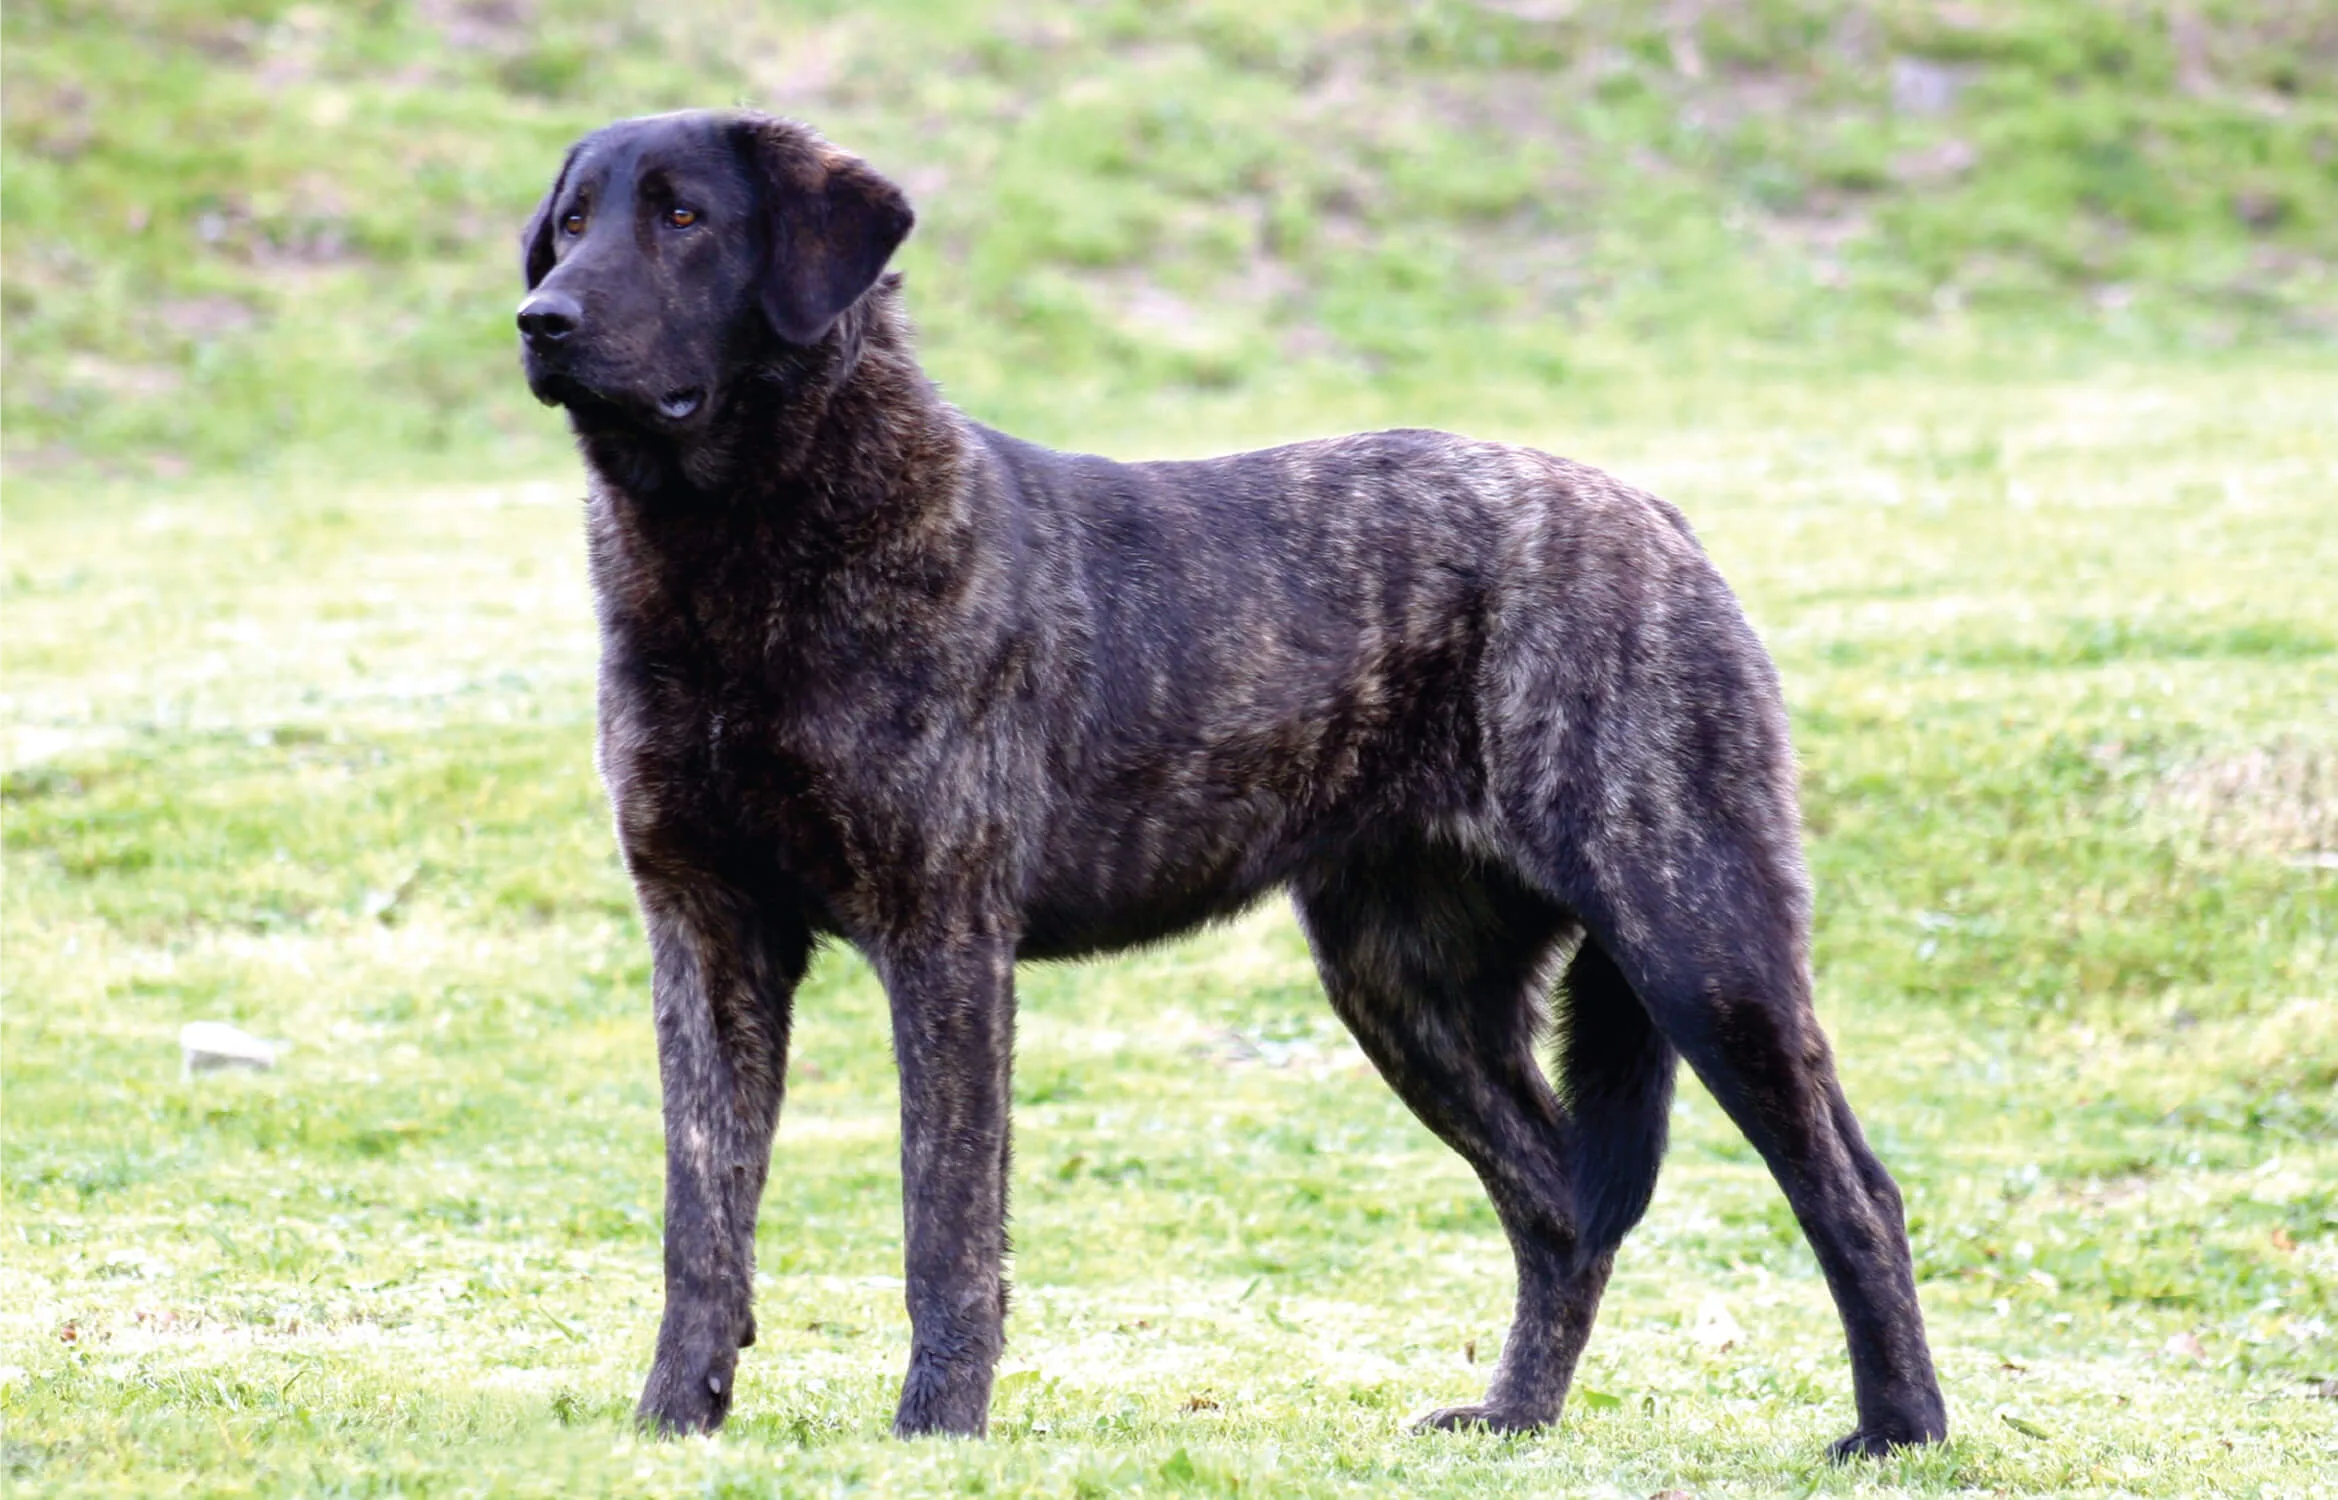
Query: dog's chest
[
  {"x": 720, "y": 747},
  {"x": 767, "y": 748}
]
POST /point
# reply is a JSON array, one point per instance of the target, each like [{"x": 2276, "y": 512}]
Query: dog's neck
[
  {"x": 825, "y": 441},
  {"x": 839, "y": 470}
]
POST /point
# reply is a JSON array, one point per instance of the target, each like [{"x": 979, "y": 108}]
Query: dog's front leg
[
  {"x": 723, "y": 980},
  {"x": 953, "y": 1037}
]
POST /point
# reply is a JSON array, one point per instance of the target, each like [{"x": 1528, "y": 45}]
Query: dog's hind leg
[
  {"x": 723, "y": 977},
  {"x": 1707, "y": 922},
  {"x": 1437, "y": 965}
]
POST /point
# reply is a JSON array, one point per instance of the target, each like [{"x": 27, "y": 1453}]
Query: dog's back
[{"x": 1269, "y": 657}]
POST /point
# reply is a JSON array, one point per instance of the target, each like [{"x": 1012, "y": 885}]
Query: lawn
[
  {"x": 1987, "y": 344},
  {"x": 314, "y": 757}
]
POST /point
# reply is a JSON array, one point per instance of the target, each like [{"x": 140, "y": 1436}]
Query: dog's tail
[{"x": 1615, "y": 1072}]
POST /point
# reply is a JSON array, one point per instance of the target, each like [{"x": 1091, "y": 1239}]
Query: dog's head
[{"x": 677, "y": 253}]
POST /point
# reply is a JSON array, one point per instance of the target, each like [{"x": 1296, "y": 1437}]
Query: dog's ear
[
  {"x": 536, "y": 239},
  {"x": 830, "y": 222}
]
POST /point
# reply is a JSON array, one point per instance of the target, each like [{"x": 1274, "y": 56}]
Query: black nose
[{"x": 549, "y": 317}]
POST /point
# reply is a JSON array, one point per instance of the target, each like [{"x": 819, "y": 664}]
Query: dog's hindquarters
[{"x": 1639, "y": 764}]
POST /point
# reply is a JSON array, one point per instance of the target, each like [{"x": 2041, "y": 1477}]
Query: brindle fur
[{"x": 871, "y": 670}]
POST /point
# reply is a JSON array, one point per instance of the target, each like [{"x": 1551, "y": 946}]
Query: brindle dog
[{"x": 871, "y": 670}]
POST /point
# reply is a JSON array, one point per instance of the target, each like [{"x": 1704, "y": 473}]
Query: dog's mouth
[
  {"x": 600, "y": 408},
  {"x": 554, "y": 389}
]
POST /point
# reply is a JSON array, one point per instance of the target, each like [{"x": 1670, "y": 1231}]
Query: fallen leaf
[
  {"x": 2184, "y": 1346},
  {"x": 382, "y": 905},
  {"x": 2282, "y": 1241},
  {"x": 1203, "y": 1401},
  {"x": 1469, "y": 1350},
  {"x": 566, "y": 1331},
  {"x": 2023, "y": 1425}
]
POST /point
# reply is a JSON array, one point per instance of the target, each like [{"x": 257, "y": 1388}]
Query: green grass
[
  {"x": 242, "y": 229},
  {"x": 315, "y": 758},
  {"x": 1987, "y": 344}
]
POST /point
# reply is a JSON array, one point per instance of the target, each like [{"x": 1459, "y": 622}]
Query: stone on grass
[
  {"x": 208, "y": 1046},
  {"x": 1715, "y": 1330}
]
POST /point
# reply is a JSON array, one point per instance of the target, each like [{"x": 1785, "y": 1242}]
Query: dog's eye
[
  {"x": 573, "y": 224},
  {"x": 681, "y": 218}
]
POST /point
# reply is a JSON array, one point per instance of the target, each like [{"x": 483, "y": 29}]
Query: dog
[{"x": 872, "y": 671}]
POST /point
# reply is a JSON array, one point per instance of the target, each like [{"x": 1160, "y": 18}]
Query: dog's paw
[
  {"x": 1877, "y": 1442},
  {"x": 1489, "y": 1418},
  {"x": 686, "y": 1395},
  {"x": 933, "y": 1424},
  {"x": 939, "y": 1400}
]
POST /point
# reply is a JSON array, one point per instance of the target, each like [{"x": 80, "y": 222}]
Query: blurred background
[
  {"x": 244, "y": 230},
  {"x": 1990, "y": 345}
]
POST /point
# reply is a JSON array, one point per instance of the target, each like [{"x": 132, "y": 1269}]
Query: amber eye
[
  {"x": 681, "y": 218},
  {"x": 573, "y": 224}
]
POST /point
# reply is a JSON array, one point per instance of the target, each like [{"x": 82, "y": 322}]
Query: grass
[
  {"x": 1986, "y": 343},
  {"x": 241, "y": 229},
  {"x": 315, "y": 759}
]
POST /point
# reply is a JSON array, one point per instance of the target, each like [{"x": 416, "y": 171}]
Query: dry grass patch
[{"x": 2279, "y": 799}]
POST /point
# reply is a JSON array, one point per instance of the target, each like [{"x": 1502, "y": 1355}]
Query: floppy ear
[
  {"x": 536, "y": 239},
  {"x": 830, "y": 223}
]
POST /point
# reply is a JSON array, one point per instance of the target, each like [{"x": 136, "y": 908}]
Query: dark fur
[{"x": 871, "y": 670}]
